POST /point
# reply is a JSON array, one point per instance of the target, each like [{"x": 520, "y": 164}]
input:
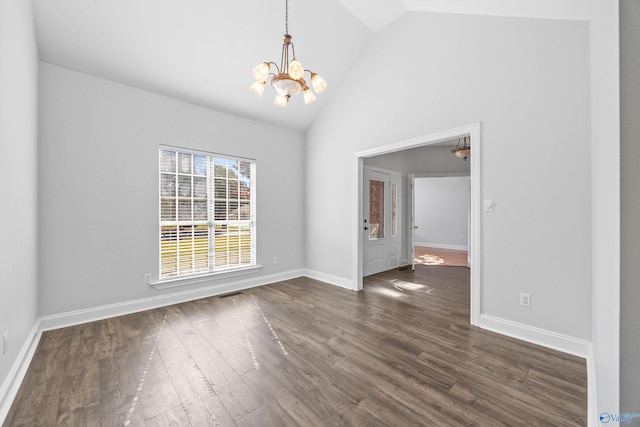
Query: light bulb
[
  {"x": 261, "y": 72},
  {"x": 309, "y": 97},
  {"x": 295, "y": 69},
  {"x": 318, "y": 83},
  {"x": 280, "y": 101},
  {"x": 257, "y": 88}
]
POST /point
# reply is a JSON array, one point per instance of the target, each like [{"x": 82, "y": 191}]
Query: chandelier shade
[
  {"x": 285, "y": 85},
  {"x": 287, "y": 79},
  {"x": 258, "y": 88},
  {"x": 318, "y": 83}
]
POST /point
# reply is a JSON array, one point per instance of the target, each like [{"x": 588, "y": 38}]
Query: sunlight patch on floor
[
  {"x": 246, "y": 336},
  {"x": 155, "y": 339},
  {"x": 266, "y": 321},
  {"x": 429, "y": 260},
  {"x": 403, "y": 286},
  {"x": 386, "y": 292}
]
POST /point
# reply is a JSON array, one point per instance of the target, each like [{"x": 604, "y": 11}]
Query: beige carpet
[{"x": 437, "y": 256}]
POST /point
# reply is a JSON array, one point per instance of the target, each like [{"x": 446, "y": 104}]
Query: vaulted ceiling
[{"x": 202, "y": 51}]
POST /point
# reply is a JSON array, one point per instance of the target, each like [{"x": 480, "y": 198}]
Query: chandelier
[
  {"x": 287, "y": 79},
  {"x": 464, "y": 151}
]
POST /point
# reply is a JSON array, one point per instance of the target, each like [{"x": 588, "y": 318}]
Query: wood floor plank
[
  {"x": 301, "y": 352},
  {"x": 119, "y": 401},
  {"x": 281, "y": 403},
  {"x": 261, "y": 417},
  {"x": 199, "y": 399},
  {"x": 235, "y": 353},
  {"x": 173, "y": 417},
  {"x": 79, "y": 409},
  {"x": 236, "y": 396}
]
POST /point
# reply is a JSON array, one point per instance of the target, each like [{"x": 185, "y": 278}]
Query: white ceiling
[{"x": 202, "y": 51}]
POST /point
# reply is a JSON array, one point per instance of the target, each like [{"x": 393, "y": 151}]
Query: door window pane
[
  {"x": 394, "y": 209},
  {"x": 376, "y": 209}
]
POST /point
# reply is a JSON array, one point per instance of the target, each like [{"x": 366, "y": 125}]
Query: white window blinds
[{"x": 207, "y": 213}]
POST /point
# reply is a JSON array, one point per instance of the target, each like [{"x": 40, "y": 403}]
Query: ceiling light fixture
[
  {"x": 463, "y": 152},
  {"x": 287, "y": 80}
]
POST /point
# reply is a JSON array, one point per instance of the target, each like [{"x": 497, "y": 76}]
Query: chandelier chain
[{"x": 286, "y": 15}]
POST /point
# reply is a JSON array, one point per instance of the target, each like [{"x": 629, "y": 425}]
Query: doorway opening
[
  {"x": 441, "y": 214},
  {"x": 472, "y": 131}
]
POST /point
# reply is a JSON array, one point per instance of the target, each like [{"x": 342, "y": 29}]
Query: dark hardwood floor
[{"x": 303, "y": 353}]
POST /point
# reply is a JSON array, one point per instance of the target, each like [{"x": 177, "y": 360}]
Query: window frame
[{"x": 246, "y": 262}]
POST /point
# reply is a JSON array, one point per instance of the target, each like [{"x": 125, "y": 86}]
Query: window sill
[{"x": 207, "y": 277}]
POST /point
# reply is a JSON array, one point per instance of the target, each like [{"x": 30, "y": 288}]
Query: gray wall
[
  {"x": 527, "y": 81},
  {"x": 18, "y": 175},
  {"x": 99, "y": 186},
  {"x": 442, "y": 211},
  {"x": 630, "y": 206}
]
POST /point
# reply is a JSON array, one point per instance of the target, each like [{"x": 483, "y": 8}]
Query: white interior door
[{"x": 376, "y": 222}]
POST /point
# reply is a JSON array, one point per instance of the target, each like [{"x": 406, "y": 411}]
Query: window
[
  {"x": 207, "y": 213},
  {"x": 394, "y": 209}
]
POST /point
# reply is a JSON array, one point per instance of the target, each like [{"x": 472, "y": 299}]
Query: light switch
[{"x": 488, "y": 205}]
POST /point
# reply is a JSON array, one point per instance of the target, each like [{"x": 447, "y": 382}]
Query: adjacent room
[{"x": 430, "y": 225}]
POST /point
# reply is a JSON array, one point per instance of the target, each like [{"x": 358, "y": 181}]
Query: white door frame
[{"x": 473, "y": 130}]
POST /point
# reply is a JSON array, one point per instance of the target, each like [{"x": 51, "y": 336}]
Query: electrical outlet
[
  {"x": 275, "y": 259},
  {"x": 147, "y": 278},
  {"x": 5, "y": 343},
  {"x": 525, "y": 300}
]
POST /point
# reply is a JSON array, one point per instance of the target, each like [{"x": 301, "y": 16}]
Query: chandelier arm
[{"x": 276, "y": 66}]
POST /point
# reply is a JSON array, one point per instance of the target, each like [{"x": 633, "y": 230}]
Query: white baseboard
[
  {"x": 553, "y": 340},
  {"x": 442, "y": 246},
  {"x": 556, "y": 341},
  {"x": 330, "y": 279},
  {"x": 11, "y": 385},
  {"x": 106, "y": 311}
]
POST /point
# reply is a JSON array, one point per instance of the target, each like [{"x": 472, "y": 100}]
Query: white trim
[
  {"x": 442, "y": 175},
  {"x": 330, "y": 279},
  {"x": 357, "y": 244},
  {"x": 204, "y": 153},
  {"x": 111, "y": 310},
  {"x": 207, "y": 277},
  {"x": 592, "y": 395},
  {"x": 442, "y": 246},
  {"x": 12, "y": 383},
  {"x": 553, "y": 340},
  {"x": 475, "y": 237},
  {"x": 473, "y": 130},
  {"x": 382, "y": 170},
  {"x": 556, "y": 341}
]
